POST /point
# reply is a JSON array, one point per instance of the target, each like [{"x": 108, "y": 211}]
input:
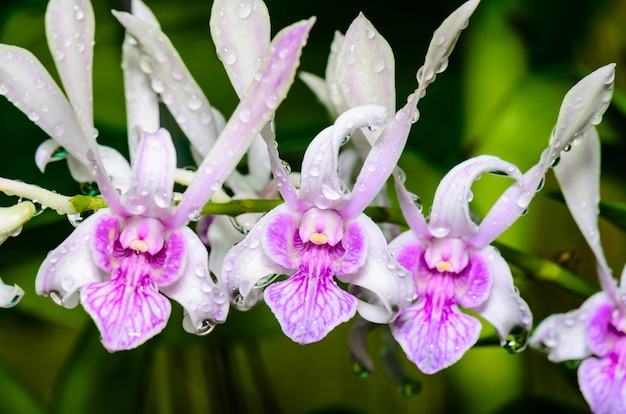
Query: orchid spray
[{"x": 120, "y": 261}]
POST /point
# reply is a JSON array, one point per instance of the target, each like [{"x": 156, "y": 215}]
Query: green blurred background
[{"x": 500, "y": 95}]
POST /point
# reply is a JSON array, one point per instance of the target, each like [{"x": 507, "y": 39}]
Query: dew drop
[
  {"x": 205, "y": 328},
  {"x": 516, "y": 340},
  {"x": 245, "y": 9},
  {"x": 194, "y": 102},
  {"x": 58, "y": 130},
  {"x": 56, "y": 297},
  {"x": 157, "y": 85},
  {"x": 79, "y": 14}
]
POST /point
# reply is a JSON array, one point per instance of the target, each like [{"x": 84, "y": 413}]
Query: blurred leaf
[
  {"x": 14, "y": 397},
  {"x": 533, "y": 404},
  {"x": 96, "y": 381},
  {"x": 612, "y": 211}
]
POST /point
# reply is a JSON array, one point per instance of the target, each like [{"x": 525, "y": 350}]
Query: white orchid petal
[
  {"x": 255, "y": 110},
  {"x": 26, "y": 83},
  {"x": 70, "y": 27},
  {"x": 582, "y": 107},
  {"x": 247, "y": 264},
  {"x": 443, "y": 42},
  {"x": 504, "y": 308},
  {"x": 241, "y": 33},
  {"x": 564, "y": 336},
  {"x": 578, "y": 175},
  {"x": 381, "y": 160},
  {"x": 45, "y": 153},
  {"x": 10, "y": 295},
  {"x": 71, "y": 265},
  {"x": 450, "y": 211},
  {"x": 205, "y": 303},
  {"x": 139, "y": 9},
  {"x": 366, "y": 67},
  {"x": 172, "y": 80},
  {"x": 382, "y": 276},
  {"x": 142, "y": 103},
  {"x": 339, "y": 104},
  {"x": 13, "y": 218},
  {"x": 320, "y": 184}
]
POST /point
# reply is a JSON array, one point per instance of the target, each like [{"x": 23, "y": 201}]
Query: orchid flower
[
  {"x": 320, "y": 232},
  {"x": 241, "y": 34},
  {"x": 595, "y": 332},
  {"x": 121, "y": 261},
  {"x": 450, "y": 256}
]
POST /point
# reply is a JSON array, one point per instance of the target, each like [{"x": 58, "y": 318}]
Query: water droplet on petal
[
  {"x": 79, "y": 14},
  {"x": 516, "y": 340},
  {"x": 205, "y": 328},
  {"x": 245, "y": 9},
  {"x": 194, "y": 102}
]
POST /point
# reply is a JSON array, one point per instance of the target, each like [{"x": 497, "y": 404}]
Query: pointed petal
[
  {"x": 26, "y": 83},
  {"x": 142, "y": 11},
  {"x": 603, "y": 385},
  {"x": 259, "y": 166},
  {"x": 338, "y": 102},
  {"x": 450, "y": 215},
  {"x": 118, "y": 170},
  {"x": 10, "y": 295},
  {"x": 170, "y": 77},
  {"x": 204, "y": 302},
  {"x": 387, "y": 286},
  {"x": 72, "y": 265},
  {"x": 510, "y": 206},
  {"x": 564, "y": 336},
  {"x": 434, "y": 337},
  {"x": 282, "y": 179},
  {"x": 583, "y": 106},
  {"x": 309, "y": 307},
  {"x": 142, "y": 103},
  {"x": 578, "y": 175},
  {"x": 46, "y": 153},
  {"x": 320, "y": 185},
  {"x": 443, "y": 42},
  {"x": 152, "y": 185},
  {"x": 246, "y": 265},
  {"x": 13, "y": 218},
  {"x": 127, "y": 315},
  {"x": 70, "y": 27},
  {"x": 241, "y": 33},
  {"x": 411, "y": 211},
  {"x": 366, "y": 67},
  {"x": 381, "y": 160},
  {"x": 222, "y": 236},
  {"x": 504, "y": 308},
  {"x": 253, "y": 112}
]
